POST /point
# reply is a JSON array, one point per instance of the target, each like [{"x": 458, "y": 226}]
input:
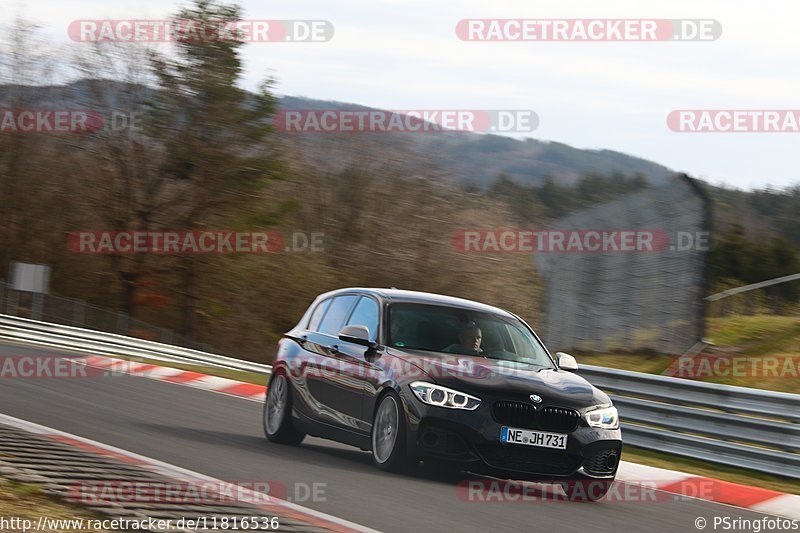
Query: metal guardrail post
[
  {"x": 78, "y": 312},
  {"x": 37, "y": 305},
  {"x": 13, "y": 309},
  {"x": 122, "y": 323}
]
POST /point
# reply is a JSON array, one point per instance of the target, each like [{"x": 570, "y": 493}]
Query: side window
[
  {"x": 319, "y": 312},
  {"x": 366, "y": 314},
  {"x": 336, "y": 315}
]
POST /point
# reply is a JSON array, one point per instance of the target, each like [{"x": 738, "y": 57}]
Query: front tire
[
  {"x": 278, "y": 413},
  {"x": 389, "y": 435}
]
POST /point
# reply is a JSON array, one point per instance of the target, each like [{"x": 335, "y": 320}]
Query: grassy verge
[
  {"x": 702, "y": 468},
  {"x": 753, "y": 337},
  {"x": 28, "y": 502},
  {"x": 650, "y": 364},
  {"x": 757, "y": 334},
  {"x": 238, "y": 375}
]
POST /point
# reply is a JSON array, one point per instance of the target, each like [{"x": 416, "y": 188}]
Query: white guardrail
[
  {"x": 735, "y": 426},
  {"x": 69, "y": 337}
]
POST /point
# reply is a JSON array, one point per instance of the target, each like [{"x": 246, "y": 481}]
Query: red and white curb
[
  {"x": 715, "y": 490},
  {"x": 272, "y": 504},
  {"x": 249, "y": 391},
  {"x": 688, "y": 485}
]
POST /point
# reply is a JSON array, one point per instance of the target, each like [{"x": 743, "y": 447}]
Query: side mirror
[
  {"x": 566, "y": 361},
  {"x": 357, "y": 335}
]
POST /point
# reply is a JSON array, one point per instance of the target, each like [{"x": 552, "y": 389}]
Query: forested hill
[{"x": 471, "y": 158}]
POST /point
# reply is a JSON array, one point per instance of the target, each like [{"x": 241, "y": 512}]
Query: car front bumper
[{"x": 472, "y": 439}]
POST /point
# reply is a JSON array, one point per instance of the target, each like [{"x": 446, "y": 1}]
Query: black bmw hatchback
[{"x": 415, "y": 376}]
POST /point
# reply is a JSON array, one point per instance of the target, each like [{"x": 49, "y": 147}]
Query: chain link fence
[
  {"x": 78, "y": 313},
  {"x": 632, "y": 300},
  {"x": 774, "y": 300}
]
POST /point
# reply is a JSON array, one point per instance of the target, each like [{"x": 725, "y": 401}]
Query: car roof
[{"x": 404, "y": 296}]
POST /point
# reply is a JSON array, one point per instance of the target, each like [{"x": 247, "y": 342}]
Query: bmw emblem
[{"x": 535, "y": 398}]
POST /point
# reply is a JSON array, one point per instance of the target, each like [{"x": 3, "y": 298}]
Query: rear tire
[
  {"x": 278, "y": 413},
  {"x": 389, "y": 435}
]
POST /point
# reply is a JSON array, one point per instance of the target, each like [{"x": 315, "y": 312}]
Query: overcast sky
[{"x": 405, "y": 54}]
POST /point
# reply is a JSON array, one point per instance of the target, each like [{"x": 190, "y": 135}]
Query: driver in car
[
  {"x": 469, "y": 339},
  {"x": 398, "y": 333}
]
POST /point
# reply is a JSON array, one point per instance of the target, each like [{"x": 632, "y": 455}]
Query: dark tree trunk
[{"x": 188, "y": 299}]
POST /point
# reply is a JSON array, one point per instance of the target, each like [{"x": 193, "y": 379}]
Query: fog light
[{"x": 431, "y": 439}]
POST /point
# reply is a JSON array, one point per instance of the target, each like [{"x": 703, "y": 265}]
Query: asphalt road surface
[{"x": 221, "y": 436}]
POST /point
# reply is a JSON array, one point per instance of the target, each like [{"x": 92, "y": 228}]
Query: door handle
[{"x": 334, "y": 349}]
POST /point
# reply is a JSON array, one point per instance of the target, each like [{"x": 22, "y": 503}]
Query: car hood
[{"x": 488, "y": 377}]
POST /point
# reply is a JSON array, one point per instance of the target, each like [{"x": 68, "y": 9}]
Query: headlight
[
  {"x": 604, "y": 417},
  {"x": 444, "y": 397}
]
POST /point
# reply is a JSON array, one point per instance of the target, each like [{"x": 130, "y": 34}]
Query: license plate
[{"x": 533, "y": 438}]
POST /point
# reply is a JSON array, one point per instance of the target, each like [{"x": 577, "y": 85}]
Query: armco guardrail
[
  {"x": 735, "y": 426},
  {"x": 58, "y": 336},
  {"x": 756, "y": 402}
]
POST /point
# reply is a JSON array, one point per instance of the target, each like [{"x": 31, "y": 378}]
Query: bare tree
[{"x": 214, "y": 134}]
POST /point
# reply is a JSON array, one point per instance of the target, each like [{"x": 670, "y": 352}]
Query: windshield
[{"x": 460, "y": 331}]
